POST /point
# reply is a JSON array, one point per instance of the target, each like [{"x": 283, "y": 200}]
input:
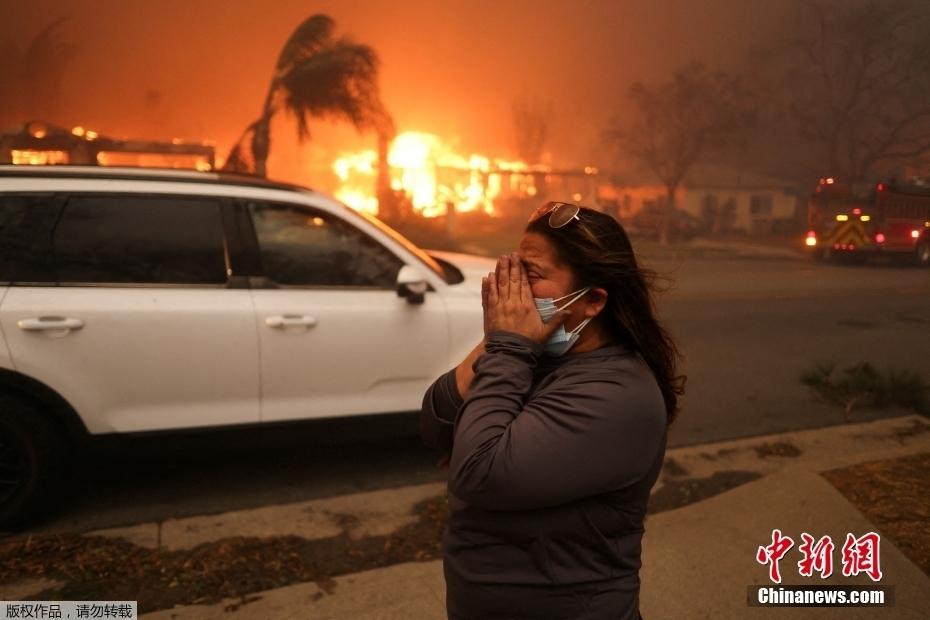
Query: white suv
[{"x": 140, "y": 300}]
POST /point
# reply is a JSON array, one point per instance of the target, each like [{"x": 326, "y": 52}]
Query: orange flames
[
  {"x": 35, "y": 157},
  {"x": 108, "y": 152},
  {"x": 433, "y": 176}
]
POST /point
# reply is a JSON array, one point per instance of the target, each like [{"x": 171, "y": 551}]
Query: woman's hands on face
[{"x": 508, "y": 302}]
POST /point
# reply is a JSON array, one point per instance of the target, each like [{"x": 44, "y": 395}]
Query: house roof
[{"x": 707, "y": 176}]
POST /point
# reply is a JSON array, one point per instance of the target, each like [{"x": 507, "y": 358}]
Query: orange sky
[{"x": 452, "y": 68}]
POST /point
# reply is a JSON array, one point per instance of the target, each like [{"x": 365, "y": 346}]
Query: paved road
[{"x": 747, "y": 326}]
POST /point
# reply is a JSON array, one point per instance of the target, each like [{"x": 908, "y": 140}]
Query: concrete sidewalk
[
  {"x": 697, "y": 563},
  {"x": 701, "y": 247},
  {"x": 744, "y": 249},
  {"x": 698, "y": 560}
]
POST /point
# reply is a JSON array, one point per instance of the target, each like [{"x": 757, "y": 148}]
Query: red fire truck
[{"x": 857, "y": 221}]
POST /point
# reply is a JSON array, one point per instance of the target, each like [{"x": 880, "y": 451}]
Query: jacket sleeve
[
  {"x": 587, "y": 434},
  {"x": 437, "y": 415}
]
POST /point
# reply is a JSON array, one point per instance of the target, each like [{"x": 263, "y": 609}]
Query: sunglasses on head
[{"x": 560, "y": 213}]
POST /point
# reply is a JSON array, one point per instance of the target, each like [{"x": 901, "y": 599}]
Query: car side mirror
[{"x": 411, "y": 284}]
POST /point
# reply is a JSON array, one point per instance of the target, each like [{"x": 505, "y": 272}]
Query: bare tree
[
  {"x": 31, "y": 78},
  {"x": 532, "y": 121},
  {"x": 859, "y": 74},
  {"x": 681, "y": 121}
]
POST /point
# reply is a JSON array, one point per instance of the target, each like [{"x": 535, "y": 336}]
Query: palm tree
[{"x": 316, "y": 76}]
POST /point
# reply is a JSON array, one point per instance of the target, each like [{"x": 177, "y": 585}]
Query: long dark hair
[{"x": 599, "y": 254}]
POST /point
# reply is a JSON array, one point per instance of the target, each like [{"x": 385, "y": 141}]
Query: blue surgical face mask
[{"x": 560, "y": 341}]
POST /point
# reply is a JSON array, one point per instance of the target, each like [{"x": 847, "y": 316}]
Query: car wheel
[
  {"x": 32, "y": 457},
  {"x": 923, "y": 253}
]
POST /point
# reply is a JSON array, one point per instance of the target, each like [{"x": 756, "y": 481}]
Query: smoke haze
[{"x": 199, "y": 69}]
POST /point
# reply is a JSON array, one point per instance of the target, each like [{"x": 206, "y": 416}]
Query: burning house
[
  {"x": 39, "y": 143},
  {"x": 439, "y": 181}
]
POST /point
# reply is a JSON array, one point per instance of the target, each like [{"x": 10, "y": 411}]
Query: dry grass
[{"x": 893, "y": 495}]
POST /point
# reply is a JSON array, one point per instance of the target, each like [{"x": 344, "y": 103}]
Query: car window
[
  {"x": 25, "y": 228},
  {"x": 140, "y": 239},
  {"x": 408, "y": 245},
  {"x": 306, "y": 247}
]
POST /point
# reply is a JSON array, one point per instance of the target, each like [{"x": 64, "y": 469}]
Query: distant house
[
  {"x": 40, "y": 143},
  {"x": 722, "y": 199}
]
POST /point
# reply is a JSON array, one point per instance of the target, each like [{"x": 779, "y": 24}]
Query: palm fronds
[{"x": 317, "y": 76}]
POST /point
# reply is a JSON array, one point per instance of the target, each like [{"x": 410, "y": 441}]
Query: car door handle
[
  {"x": 49, "y": 323},
  {"x": 289, "y": 320}
]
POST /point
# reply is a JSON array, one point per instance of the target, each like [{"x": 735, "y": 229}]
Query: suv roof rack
[{"x": 145, "y": 174}]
